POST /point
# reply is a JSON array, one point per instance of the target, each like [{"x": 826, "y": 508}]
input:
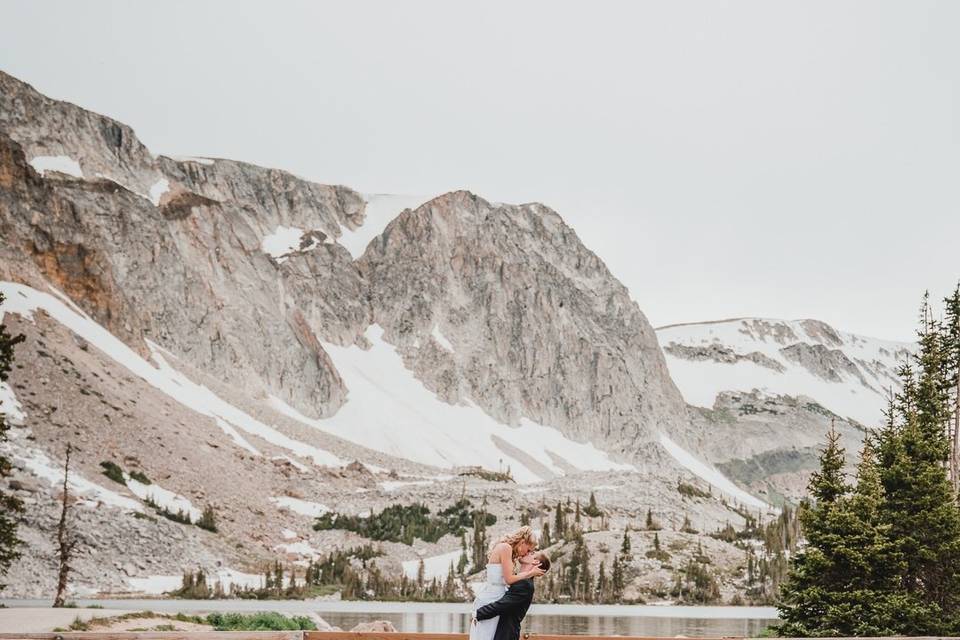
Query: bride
[{"x": 500, "y": 575}]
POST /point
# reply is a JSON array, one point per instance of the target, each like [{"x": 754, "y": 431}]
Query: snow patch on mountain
[
  {"x": 303, "y": 507},
  {"x": 392, "y": 485},
  {"x": 62, "y": 164},
  {"x": 9, "y": 405},
  {"x": 380, "y": 210},
  {"x": 286, "y": 240},
  {"x": 159, "y": 584},
  {"x": 846, "y": 373},
  {"x": 196, "y": 159},
  {"x": 163, "y": 498},
  {"x": 433, "y": 566},
  {"x": 36, "y": 462},
  {"x": 389, "y": 410},
  {"x": 441, "y": 339},
  {"x": 159, "y": 188},
  {"x": 704, "y": 471},
  {"x": 25, "y": 300}
]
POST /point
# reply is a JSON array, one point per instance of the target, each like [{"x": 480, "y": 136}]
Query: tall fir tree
[
  {"x": 10, "y": 506},
  {"x": 813, "y": 585},
  {"x": 951, "y": 348},
  {"x": 882, "y": 558},
  {"x": 913, "y": 453}
]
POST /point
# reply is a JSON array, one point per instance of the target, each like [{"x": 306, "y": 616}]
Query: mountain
[
  {"x": 233, "y": 336},
  {"x": 782, "y": 383}
]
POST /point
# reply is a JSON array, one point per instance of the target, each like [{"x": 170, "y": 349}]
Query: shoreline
[{"x": 705, "y": 612}]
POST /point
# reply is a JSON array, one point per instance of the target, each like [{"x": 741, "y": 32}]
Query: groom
[{"x": 512, "y": 607}]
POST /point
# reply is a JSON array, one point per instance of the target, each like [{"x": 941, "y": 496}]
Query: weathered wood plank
[{"x": 156, "y": 635}]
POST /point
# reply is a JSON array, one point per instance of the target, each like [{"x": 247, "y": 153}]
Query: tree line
[{"x": 882, "y": 554}]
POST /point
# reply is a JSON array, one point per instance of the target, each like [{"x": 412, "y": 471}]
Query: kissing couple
[{"x": 503, "y": 600}]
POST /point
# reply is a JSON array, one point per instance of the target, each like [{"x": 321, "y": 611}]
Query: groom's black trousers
[{"x": 511, "y": 608}]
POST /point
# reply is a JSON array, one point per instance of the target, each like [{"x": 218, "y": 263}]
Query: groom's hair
[{"x": 544, "y": 560}]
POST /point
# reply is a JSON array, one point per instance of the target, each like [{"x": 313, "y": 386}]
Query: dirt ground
[{"x": 39, "y": 620}]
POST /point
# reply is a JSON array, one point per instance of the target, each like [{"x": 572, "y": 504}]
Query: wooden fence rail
[
  {"x": 306, "y": 635},
  {"x": 344, "y": 635}
]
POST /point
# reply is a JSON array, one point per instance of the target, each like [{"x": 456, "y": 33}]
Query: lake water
[{"x": 607, "y": 620}]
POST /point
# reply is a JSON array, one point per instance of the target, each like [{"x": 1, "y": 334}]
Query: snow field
[
  {"x": 302, "y": 507},
  {"x": 63, "y": 164},
  {"x": 389, "y": 410},
  {"x": 433, "y": 566},
  {"x": 704, "y": 471},
  {"x": 163, "y": 498},
  {"x": 700, "y": 381},
  {"x": 25, "y": 300}
]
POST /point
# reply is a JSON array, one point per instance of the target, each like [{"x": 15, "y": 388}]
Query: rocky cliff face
[
  {"x": 203, "y": 322},
  {"x": 531, "y": 323},
  {"x": 768, "y": 390},
  {"x": 177, "y": 251},
  {"x": 239, "y": 335},
  {"x": 849, "y": 374}
]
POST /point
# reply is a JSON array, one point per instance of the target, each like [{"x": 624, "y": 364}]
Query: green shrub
[
  {"x": 690, "y": 491},
  {"x": 140, "y": 477},
  {"x": 113, "y": 471},
  {"x": 403, "y": 523},
  {"x": 269, "y": 621},
  {"x": 208, "y": 520}
]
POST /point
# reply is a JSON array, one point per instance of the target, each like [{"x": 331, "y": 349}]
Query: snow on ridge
[
  {"x": 286, "y": 240},
  {"x": 706, "y": 472},
  {"x": 63, "y": 164},
  {"x": 392, "y": 485},
  {"x": 282, "y": 241},
  {"x": 25, "y": 300},
  {"x": 159, "y": 188},
  {"x": 196, "y": 159},
  {"x": 163, "y": 498},
  {"x": 10, "y": 407},
  {"x": 159, "y": 584},
  {"x": 700, "y": 381},
  {"x": 433, "y": 566},
  {"x": 380, "y": 210},
  {"x": 441, "y": 339},
  {"x": 389, "y": 410},
  {"x": 37, "y": 463},
  {"x": 303, "y": 507}
]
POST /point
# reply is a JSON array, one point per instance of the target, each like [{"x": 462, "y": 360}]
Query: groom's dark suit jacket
[{"x": 511, "y": 608}]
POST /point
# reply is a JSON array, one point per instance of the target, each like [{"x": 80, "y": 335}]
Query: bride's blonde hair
[{"x": 523, "y": 534}]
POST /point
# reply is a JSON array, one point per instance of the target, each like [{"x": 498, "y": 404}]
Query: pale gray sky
[{"x": 724, "y": 159}]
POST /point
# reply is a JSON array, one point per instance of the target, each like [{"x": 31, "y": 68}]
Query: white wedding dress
[{"x": 492, "y": 590}]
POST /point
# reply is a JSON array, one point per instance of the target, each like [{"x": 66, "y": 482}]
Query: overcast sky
[{"x": 792, "y": 160}]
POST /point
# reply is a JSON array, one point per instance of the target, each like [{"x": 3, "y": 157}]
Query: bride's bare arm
[{"x": 504, "y": 554}]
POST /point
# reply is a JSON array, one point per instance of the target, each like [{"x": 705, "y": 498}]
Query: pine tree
[
  {"x": 560, "y": 522},
  {"x": 625, "y": 543},
  {"x": 545, "y": 539},
  {"x": 913, "y": 452},
  {"x": 617, "y": 579},
  {"x": 812, "y": 586},
  {"x": 651, "y": 524},
  {"x": 10, "y": 506},
  {"x": 603, "y": 587},
  {"x": 208, "y": 519},
  {"x": 480, "y": 541},
  {"x": 951, "y": 350},
  {"x": 592, "y": 510}
]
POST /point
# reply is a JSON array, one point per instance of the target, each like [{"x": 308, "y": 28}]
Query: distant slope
[{"x": 848, "y": 374}]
